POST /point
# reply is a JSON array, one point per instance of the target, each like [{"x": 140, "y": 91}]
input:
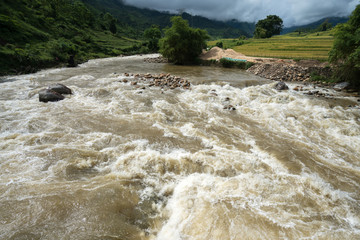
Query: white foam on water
[
  {"x": 254, "y": 206},
  {"x": 282, "y": 165}
]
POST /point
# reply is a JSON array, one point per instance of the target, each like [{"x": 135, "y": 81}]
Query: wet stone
[
  {"x": 281, "y": 86},
  {"x": 48, "y": 95},
  {"x": 60, "y": 88},
  {"x": 230, "y": 107}
]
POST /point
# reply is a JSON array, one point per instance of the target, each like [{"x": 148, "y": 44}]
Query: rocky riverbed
[
  {"x": 287, "y": 72},
  {"x": 163, "y": 80}
]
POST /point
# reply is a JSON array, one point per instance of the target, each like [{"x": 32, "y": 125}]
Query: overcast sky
[{"x": 293, "y": 12}]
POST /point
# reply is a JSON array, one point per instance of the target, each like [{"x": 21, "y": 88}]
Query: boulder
[
  {"x": 281, "y": 86},
  {"x": 48, "y": 95},
  {"x": 342, "y": 86},
  {"x": 60, "y": 88}
]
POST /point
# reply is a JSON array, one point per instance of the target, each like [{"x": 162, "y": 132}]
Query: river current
[{"x": 114, "y": 161}]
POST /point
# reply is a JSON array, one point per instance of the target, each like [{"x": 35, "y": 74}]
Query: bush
[
  {"x": 249, "y": 65},
  {"x": 229, "y": 63},
  {"x": 239, "y": 43},
  {"x": 219, "y": 44},
  {"x": 315, "y": 77}
]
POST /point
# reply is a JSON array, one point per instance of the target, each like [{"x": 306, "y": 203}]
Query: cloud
[{"x": 293, "y": 12}]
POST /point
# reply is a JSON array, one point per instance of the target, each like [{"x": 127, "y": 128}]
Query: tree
[
  {"x": 153, "y": 35},
  {"x": 112, "y": 26},
  {"x": 271, "y": 25},
  {"x": 324, "y": 26},
  {"x": 181, "y": 43},
  {"x": 346, "y": 50}
]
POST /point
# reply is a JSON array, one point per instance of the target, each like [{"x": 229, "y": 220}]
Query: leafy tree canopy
[
  {"x": 182, "y": 44},
  {"x": 153, "y": 35},
  {"x": 271, "y": 25},
  {"x": 346, "y": 49}
]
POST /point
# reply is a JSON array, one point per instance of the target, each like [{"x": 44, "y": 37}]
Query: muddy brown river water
[{"x": 113, "y": 161}]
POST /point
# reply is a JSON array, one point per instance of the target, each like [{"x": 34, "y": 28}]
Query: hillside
[{"x": 41, "y": 33}]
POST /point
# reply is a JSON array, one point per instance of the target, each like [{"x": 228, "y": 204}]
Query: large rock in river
[
  {"x": 281, "y": 86},
  {"x": 342, "y": 86},
  {"x": 48, "y": 95},
  {"x": 60, "y": 88}
]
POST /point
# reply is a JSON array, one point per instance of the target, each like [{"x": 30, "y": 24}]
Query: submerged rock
[
  {"x": 60, "y": 88},
  {"x": 230, "y": 107},
  {"x": 281, "y": 86},
  {"x": 48, "y": 95}
]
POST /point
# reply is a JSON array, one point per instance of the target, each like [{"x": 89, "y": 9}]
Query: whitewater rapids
[{"x": 114, "y": 161}]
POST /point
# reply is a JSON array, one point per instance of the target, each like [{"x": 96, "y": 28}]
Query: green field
[{"x": 292, "y": 45}]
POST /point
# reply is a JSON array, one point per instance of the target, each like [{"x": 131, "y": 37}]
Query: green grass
[{"x": 292, "y": 45}]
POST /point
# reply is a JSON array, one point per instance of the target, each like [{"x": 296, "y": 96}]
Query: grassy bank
[{"x": 292, "y": 45}]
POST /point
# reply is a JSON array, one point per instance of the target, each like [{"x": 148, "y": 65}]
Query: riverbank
[
  {"x": 273, "y": 68},
  {"x": 288, "y": 70}
]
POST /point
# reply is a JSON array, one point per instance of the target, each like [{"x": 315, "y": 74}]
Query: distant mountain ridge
[
  {"x": 141, "y": 18},
  {"x": 333, "y": 20}
]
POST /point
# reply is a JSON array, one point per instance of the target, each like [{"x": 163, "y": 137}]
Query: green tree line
[{"x": 346, "y": 50}]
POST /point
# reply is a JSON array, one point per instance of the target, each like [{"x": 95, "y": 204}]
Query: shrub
[
  {"x": 219, "y": 44},
  {"x": 249, "y": 65},
  {"x": 229, "y": 63},
  {"x": 239, "y": 43}
]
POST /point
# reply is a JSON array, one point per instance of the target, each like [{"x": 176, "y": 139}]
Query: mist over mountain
[
  {"x": 332, "y": 20},
  {"x": 141, "y": 18},
  {"x": 294, "y": 13}
]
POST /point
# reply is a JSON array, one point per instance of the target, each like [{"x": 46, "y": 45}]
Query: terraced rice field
[{"x": 312, "y": 46}]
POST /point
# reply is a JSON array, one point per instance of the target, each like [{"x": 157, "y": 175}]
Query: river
[{"x": 113, "y": 161}]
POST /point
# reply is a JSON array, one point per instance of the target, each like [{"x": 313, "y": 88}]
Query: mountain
[
  {"x": 312, "y": 26},
  {"x": 139, "y": 19}
]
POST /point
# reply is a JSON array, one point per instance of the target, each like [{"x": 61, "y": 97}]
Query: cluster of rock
[
  {"x": 286, "y": 72},
  {"x": 54, "y": 93},
  {"x": 162, "y": 80},
  {"x": 159, "y": 59},
  {"x": 226, "y": 101},
  {"x": 305, "y": 89}
]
